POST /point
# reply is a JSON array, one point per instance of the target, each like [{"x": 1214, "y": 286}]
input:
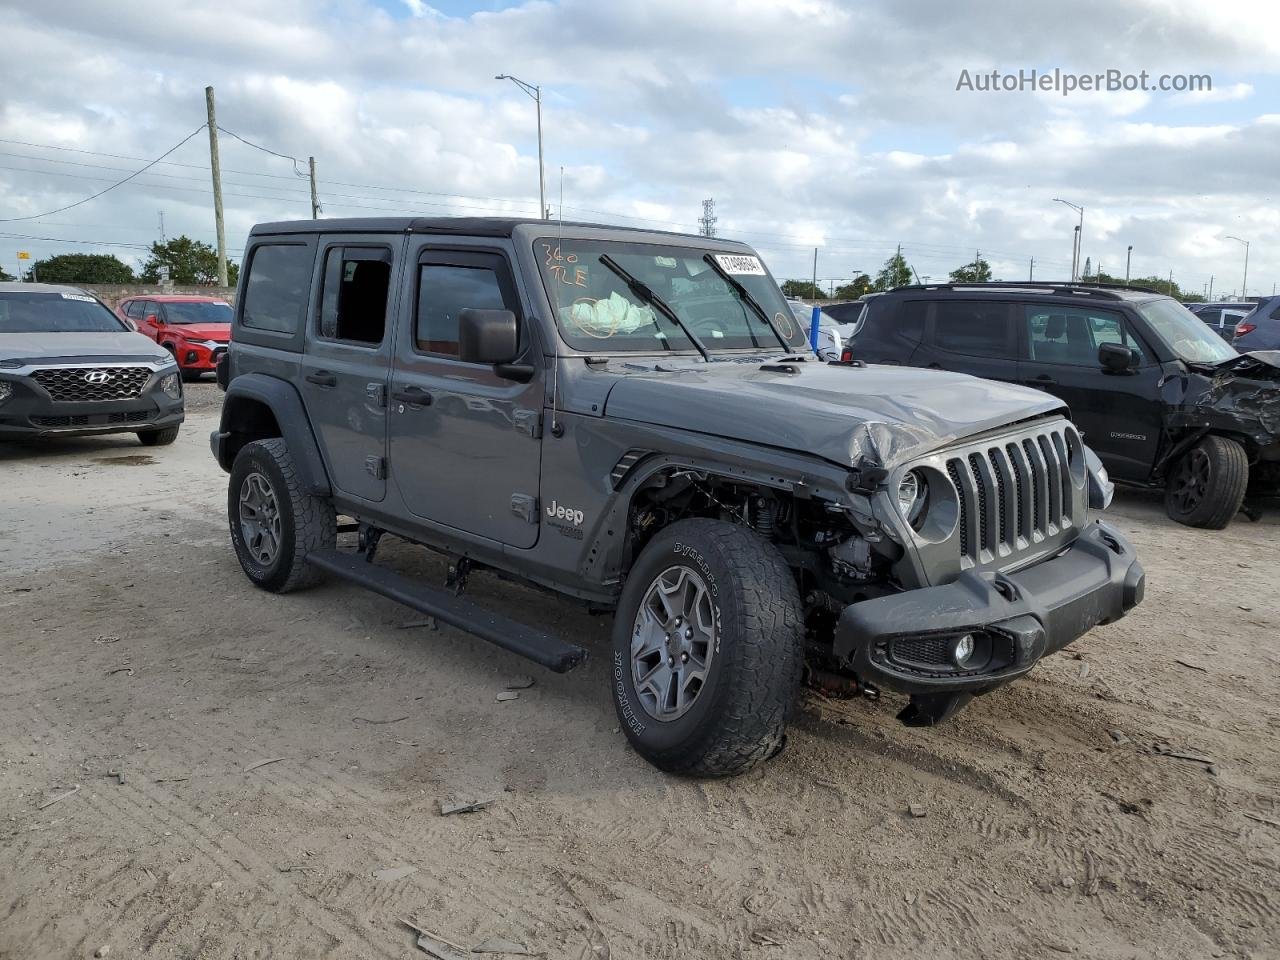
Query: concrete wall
[{"x": 113, "y": 293}]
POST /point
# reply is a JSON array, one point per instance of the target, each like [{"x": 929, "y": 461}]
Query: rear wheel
[
  {"x": 274, "y": 524},
  {"x": 1207, "y": 484},
  {"x": 707, "y": 649}
]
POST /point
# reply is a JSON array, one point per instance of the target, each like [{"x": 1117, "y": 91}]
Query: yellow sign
[{"x": 23, "y": 255}]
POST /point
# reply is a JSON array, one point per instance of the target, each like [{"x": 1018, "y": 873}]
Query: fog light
[
  {"x": 172, "y": 386},
  {"x": 6, "y": 390},
  {"x": 962, "y": 650}
]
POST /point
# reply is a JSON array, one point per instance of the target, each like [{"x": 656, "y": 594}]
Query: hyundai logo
[{"x": 97, "y": 376}]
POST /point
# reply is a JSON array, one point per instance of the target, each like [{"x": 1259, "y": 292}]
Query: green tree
[
  {"x": 802, "y": 290},
  {"x": 4, "y": 275},
  {"x": 189, "y": 262},
  {"x": 83, "y": 268},
  {"x": 894, "y": 273},
  {"x": 855, "y": 288},
  {"x": 979, "y": 271},
  {"x": 1154, "y": 283}
]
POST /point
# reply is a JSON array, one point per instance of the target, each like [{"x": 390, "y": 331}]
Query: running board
[{"x": 542, "y": 648}]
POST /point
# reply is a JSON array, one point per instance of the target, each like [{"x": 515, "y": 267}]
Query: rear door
[
  {"x": 971, "y": 336},
  {"x": 465, "y": 444},
  {"x": 1118, "y": 413},
  {"x": 347, "y": 360}
]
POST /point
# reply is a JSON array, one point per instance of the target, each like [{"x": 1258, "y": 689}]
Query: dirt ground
[{"x": 277, "y": 754}]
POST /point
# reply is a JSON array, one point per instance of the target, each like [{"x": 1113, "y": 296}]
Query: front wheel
[
  {"x": 707, "y": 649},
  {"x": 158, "y": 438},
  {"x": 274, "y": 523},
  {"x": 1207, "y": 484}
]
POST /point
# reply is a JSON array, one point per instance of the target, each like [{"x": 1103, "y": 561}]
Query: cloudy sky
[{"x": 812, "y": 123}]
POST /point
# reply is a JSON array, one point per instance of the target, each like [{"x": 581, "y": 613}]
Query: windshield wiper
[
  {"x": 745, "y": 296},
  {"x": 641, "y": 290}
]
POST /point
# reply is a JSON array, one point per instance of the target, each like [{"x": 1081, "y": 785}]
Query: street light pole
[
  {"x": 1079, "y": 241},
  {"x": 535, "y": 94},
  {"x": 1244, "y": 284},
  {"x": 1128, "y": 256}
]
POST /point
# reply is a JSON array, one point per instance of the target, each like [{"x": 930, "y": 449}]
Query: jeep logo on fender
[{"x": 558, "y": 512}]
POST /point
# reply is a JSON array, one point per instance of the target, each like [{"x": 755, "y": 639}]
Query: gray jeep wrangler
[{"x": 633, "y": 420}]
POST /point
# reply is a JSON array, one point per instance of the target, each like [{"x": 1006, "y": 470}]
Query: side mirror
[
  {"x": 130, "y": 324},
  {"x": 487, "y": 336},
  {"x": 1116, "y": 358}
]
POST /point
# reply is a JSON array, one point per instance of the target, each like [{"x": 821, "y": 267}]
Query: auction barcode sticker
[
  {"x": 78, "y": 296},
  {"x": 740, "y": 265}
]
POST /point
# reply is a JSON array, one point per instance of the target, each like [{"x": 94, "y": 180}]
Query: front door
[
  {"x": 465, "y": 443},
  {"x": 348, "y": 350},
  {"x": 1118, "y": 413}
]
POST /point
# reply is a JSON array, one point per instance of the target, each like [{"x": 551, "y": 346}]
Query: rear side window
[
  {"x": 911, "y": 320},
  {"x": 134, "y": 309},
  {"x": 275, "y": 295},
  {"x": 353, "y": 303},
  {"x": 973, "y": 327},
  {"x": 445, "y": 289},
  {"x": 1072, "y": 335}
]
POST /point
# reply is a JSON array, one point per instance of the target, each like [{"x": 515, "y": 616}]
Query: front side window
[
  {"x": 1072, "y": 335},
  {"x": 1188, "y": 338},
  {"x": 275, "y": 295},
  {"x": 973, "y": 328},
  {"x": 444, "y": 291},
  {"x": 596, "y": 309},
  {"x": 55, "y": 313},
  {"x": 353, "y": 303}
]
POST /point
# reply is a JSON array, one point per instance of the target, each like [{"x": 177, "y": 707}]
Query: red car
[{"x": 194, "y": 329}]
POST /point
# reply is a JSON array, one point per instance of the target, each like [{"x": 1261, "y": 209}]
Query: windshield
[
  {"x": 1184, "y": 333},
  {"x": 55, "y": 313},
  {"x": 197, "y": 312},
  {"x": 597, "y": 310}
]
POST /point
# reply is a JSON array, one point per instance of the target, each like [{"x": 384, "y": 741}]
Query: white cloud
[
  {"x": 1235, "y": 91},
  {"x": 810, "y": 122}
]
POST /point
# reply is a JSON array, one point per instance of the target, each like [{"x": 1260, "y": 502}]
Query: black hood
[{"x": 872, "y": 416}]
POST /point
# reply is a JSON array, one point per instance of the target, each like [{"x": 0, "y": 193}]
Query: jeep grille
[
  {"x": 89, "y": 384},
  {"x": 1015, "y": 493}
]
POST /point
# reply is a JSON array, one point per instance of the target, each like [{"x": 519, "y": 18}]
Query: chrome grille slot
[
  {"x": 92, "y": 384},
  {"x": 1014, "y": 495}
]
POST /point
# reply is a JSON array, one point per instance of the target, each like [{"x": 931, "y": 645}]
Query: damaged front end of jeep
[{"x": 943, "y": 576}]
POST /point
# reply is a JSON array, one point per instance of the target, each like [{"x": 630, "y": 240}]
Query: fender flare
[{"x": 285, "y": 404}]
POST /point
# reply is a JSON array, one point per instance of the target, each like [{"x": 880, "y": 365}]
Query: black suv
[{"x": 1160, "y": 398}]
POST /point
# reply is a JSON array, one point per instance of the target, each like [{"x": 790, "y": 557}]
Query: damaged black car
[{"x": 1162, "y": 400}]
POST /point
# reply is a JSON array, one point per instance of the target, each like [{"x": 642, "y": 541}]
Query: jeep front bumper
[{"x": 908, "y": 641}]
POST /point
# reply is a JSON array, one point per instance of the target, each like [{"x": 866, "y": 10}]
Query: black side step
[{"x": 542, "y": 648}]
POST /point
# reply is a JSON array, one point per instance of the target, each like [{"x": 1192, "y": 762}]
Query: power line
[
  {"x": 118, "y": 183},
  {"x": 250, "y": 143}
]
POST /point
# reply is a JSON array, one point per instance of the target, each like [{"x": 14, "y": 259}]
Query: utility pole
[
  {"x": 708, "y": 222},
  {"x": 1171, "y": 283},
  {"x": 162, "y": 238},
  {"x": 315, "y": 198},
  {"x": 1031, "y": 274},
  {"x": 815, "y": 273},
  {"x": 217, "y": 189},
  {"x": 1209, "y": 298},
  {"x": 1128, "y": 256},
  {"x": 1076, "y": 246}
]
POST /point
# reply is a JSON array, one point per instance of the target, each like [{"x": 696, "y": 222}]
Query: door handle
[
  {"x": 1045, "y": 380},
  {"x": 414, "y": 395},
  {"x": 322, "y": 378}
]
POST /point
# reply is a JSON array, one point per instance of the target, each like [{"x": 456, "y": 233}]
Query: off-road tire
[
  {"x": 158, "y": 438},
  {"x": 307, "y": 522},
  {"x": 738, "y": 718},
  {"x": 1227, "y": 468}
]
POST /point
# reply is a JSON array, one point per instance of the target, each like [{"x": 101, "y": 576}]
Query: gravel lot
[{"x": 277, "y": 754}]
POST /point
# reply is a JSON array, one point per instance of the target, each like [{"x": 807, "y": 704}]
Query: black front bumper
[
  {"x": 29, "y": 412},
  {"x": 904, "y": 642}
]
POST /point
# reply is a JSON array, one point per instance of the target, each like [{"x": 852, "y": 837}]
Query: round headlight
[
  {"x": 962, "y": 650},
  {"x": 6, "y": 390},
  {"x": 913, "y": 494}
]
